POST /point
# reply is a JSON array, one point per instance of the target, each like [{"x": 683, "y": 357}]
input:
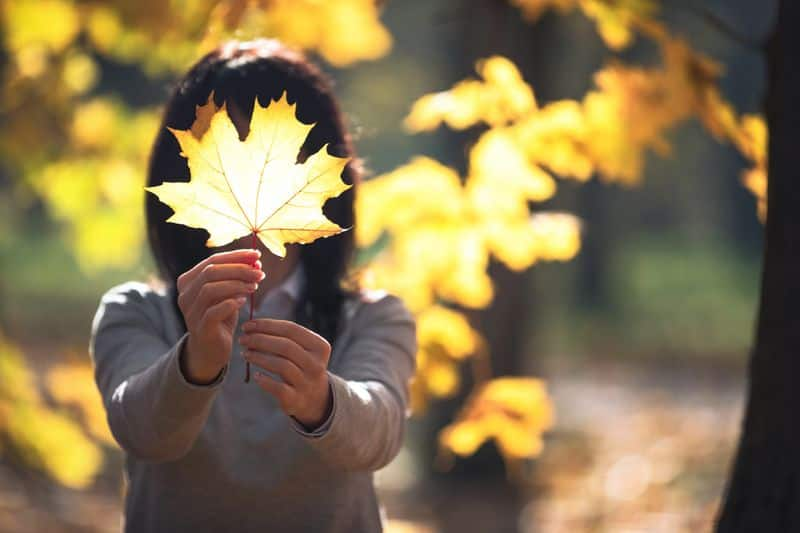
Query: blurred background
[{"x": 628, "y": 327}]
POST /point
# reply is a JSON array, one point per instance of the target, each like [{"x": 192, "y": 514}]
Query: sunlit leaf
[
  {"x": 533, "y": 9},
  {"x": 309, "y": 24},
  {"x": 615, "y": 19},
  {"x": 51, "y": 441},
  {"x": 79, "y": 73},
  {"x": 512, "y": 411},
  {"x": 103, "y": 27},
  {"x": 500, "y": 164},
  {"x": 448, "y": 330},
  {"x": 51, "y": 24},
  {"x": 73, "y": 385},
  {"x": 255, "y": 186},
  {"x": 94, "y": 123},
  {"x": 501, "y": 96},
  {"x": 755, "y": 180},
  {"x": 41, "y": 437},
  {"x": 423, "y": 190}
]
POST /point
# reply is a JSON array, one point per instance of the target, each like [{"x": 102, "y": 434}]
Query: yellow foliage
[
  {"x": 456, "y": 242},
  {"x": 100, "y": 199},
  {"x": 755, "y": 180},
  {"x": 54, "y": 135},
  {"x": 442, "y": 234},
  {"x": 456, "y": 228},
  {"x": 16, "y": 377},
  {"x": 455, "y": 261},
  {"x": 557, "y": 236},
  {"x": 433, "y": 190},
  {"x": 614, "y": 18},
  {"x": 500, "y": 169},
  {"x": 462, "y": 259},
  {"x": 429, "y": 214},
  {"x": 95, "y": 190},
  {"x": 47, "y": 24},
  {"x": 751, "y": 139},
  {"x": 436, "y": 377},
  {"x": 630, "y": 112},
  {"x": 555, "y": 137},
  {"x": 164, "y": 35},
  {"x": 343, "y": 32},
  {"x": 94, "y": 123},
  {"x": 542, "y": 237},
  {"x": 103, "y": 27},
  {"x": 533, "y": 9},
  {"x": 255, "y": 186},
  {"x": 512, "y": 411},
  {"x": 73, "y": 385},
  {"x": 31, "y": 61},
  {"x": 445, "y": 339},
  {"x": 79, "y": 73},
  {"x": 648, "y": 102},
  {"x": 607, "y": 132},
  {"x": 449, "y": 330},
  {"x": 500, "y": 97},
  {"x": 44, "y": 438},
  {"x": 54, "y": 443},
  {"x": 108, "y": 237}
]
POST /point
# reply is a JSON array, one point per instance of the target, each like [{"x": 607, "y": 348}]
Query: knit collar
[
  {"x": 294, "y": 283},
  {"x": 290, "y": 287}
]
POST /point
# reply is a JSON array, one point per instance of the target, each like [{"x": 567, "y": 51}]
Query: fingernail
[
  {"x": 252, "y": 286},
  {"x": 240, "y": 300}
]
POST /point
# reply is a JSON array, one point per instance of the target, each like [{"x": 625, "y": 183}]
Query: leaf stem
[{"x": 254, "y": 243}]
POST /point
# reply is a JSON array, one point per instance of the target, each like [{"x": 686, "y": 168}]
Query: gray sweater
[{"x": 224, "y": 457}]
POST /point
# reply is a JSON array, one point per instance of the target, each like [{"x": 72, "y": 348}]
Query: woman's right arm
[{"x": 157, "y": 397}]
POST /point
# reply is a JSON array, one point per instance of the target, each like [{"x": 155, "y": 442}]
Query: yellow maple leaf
[{"x": 254, "y": 186}]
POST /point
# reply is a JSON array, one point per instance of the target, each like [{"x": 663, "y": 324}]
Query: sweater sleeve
[
  {"x": 154, "y": 413},
  {"x": 370, "y": 389}
]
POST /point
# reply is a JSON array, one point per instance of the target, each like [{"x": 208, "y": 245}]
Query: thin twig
[{"x": 252, "y": 305}]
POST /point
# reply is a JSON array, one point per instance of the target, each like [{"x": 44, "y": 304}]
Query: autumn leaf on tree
[
  {"x": 514, "y": 411},
  {"x": 255, "y": 186}
]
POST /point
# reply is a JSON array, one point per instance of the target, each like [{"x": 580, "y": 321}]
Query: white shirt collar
[
  {"x": 290, "y": 287},
  {"x": 294, "y": 283}
]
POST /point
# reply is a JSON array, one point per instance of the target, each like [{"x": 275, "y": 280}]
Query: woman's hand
[
  {"x": 209, "y": 296},
  {"x": 300, "y": 358}
]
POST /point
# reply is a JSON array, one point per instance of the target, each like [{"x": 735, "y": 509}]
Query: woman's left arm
[{"x": 360, "y": 410}]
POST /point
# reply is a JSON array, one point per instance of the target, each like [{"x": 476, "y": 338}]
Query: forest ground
[{"x": 636, "y": 447}]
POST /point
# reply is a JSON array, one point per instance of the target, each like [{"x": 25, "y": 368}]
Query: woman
[{"x": 294, "y": 449}]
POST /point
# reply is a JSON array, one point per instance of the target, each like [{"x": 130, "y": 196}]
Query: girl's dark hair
[{"x": 238, "y": 73}]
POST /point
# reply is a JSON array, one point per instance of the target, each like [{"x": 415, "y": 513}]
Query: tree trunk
[{"x": 763, "y": 493}]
